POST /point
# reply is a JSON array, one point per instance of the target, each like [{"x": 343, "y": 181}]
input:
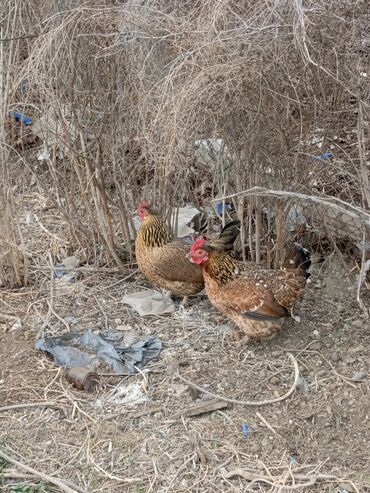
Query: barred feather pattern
[{"x": 162, "y": 259}]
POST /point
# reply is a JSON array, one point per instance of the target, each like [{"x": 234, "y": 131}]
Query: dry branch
[
  {"x": 45, "y": 477},
  {"x": 297, "y": 481},
  {"x": 27, "y": 405},
  {"x": 250, "y": 403}
]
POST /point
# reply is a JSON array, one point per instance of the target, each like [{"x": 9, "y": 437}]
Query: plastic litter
[
  {"x": 358, "y": 376},
  {"x": 20, "y": 117},
  {"x": 302, "y": 385},
  {"x": 184, "y": 217},
  {"x": 43, "y": 155},
  {"x": 137, "y": 353},
  {"x": 295, "y": 219},
  {"x": 326, "y": 155},
  {"x": 150, "y": 302},
  {"x": 221, "y": 207},
  {"x": 245, "y": 430},
  {"x": 344, "y": 488},
  {"x": 128, "y": 395},
  {"x": 68, "y": 264},
  {"x": 69, "y": 350},
  {"x": 211, "y": 153},
  {"x": 47, "y": 129}
]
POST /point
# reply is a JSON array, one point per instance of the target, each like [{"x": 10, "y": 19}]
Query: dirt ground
[{"x": 318, "y": 436}]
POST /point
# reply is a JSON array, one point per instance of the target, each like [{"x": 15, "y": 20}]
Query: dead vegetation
[
  {"x": 263, "y": 106},
  {"x": 123, "y": 96}
]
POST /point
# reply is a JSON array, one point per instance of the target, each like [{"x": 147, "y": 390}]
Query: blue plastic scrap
[
  {"x": 20, "y": 117},
  {"x": 245, "y": 430},
  {"x": 323, "y": 156},
  {"x": 221, "y": 206}
]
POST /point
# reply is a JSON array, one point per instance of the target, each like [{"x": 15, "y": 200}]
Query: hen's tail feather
[
  {"x": 226, "y": 238},
  {"x": 260, "y": 316},
  {"x": 298, "y": 257}
]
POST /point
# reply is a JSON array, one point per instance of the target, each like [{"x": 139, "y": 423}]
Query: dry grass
[
  {"x": 153, "y": 446},
  {"x": 119, "y": 94},
  {"x": 83, "y": 440}
]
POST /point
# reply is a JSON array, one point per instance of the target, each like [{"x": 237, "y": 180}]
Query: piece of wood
[
  {"x": 205, "y": 407},
  {"x": 31, "y": 477}
]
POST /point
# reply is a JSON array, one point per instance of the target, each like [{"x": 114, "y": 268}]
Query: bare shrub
[{"x": 128, "y": 89}]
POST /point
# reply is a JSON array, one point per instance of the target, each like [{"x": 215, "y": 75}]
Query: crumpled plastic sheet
[
  {"x": 150, "y": 302},
  {"x": 67, "y": 350}
]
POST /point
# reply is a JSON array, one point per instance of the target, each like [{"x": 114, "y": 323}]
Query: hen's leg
[
  {"x": 240, "y": 337},
  {"x": 185, "y": 301},
  {"x": 243, "y": 341},
  {"x": 294, "y": 317}
]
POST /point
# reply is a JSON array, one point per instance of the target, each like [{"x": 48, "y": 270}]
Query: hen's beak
[{"x": 188, "y": 255}]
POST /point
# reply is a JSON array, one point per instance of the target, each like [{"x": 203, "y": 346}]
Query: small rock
[
  {"x": 254, "y": 447},
  {"x": 16, "y": 325},
  {"x": 346, "y": 487},
  {"x": 316, "y": 333},
  {"x": 276, "y": 354},
  {"x": 274, "y": 380},
  {"x": 356, "y": 349},
  {"x": 358, "y": 376},
  {"x": 249, "y": 355}
]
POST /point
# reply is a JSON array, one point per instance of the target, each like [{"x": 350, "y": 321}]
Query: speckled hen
[{"x": 257, "y": 300}]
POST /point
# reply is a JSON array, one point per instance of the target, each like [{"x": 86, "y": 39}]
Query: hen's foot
[
  {"x": 185, "y": 301},
  {"x": 240, "y": 338}
]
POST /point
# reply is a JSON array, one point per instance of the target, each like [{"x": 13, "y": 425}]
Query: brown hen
[
  {"x": 257, "y": 300},
  {"x": 162, "y": 259}
]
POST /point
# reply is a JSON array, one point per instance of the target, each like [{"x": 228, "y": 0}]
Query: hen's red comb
[
  {"x": 143, "y": 205},
  {"x": 199, "y": 243}
]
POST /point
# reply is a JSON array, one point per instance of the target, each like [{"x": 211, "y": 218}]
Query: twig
[
  {"x": 112, "y": 476},
  {"x": 46, "y": 230},
  {"x": 55, "y": 481},
  {"x": 334, "y": 202},
  {"x": 102, "y": 270},
  {"x": 64, "y": 322},
  {"x": 267, "y": 423},
  {"x": 50, "y": 301},
  {"x": 30, "y": 477},
  {"x": 365, "y": 266},
  {"x": 251, "y": 403},
  {"x": 26, "y": 405},
  {"x": 255, "y": 478},
  {"x": 139, "y": 414}
]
